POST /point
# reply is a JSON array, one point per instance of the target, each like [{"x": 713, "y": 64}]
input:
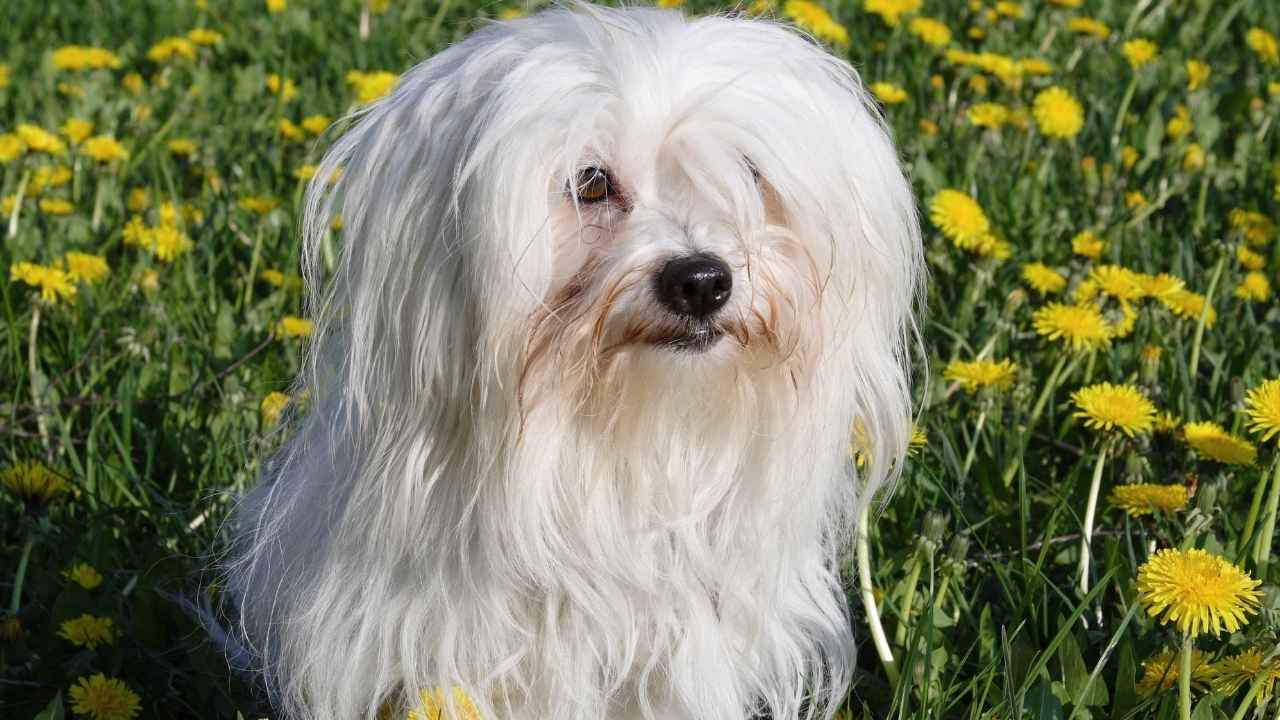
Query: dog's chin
[{"x": 695, "y": 340}]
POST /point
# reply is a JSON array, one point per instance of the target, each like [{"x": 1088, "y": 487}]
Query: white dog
[{"x": 614, "y": 286}]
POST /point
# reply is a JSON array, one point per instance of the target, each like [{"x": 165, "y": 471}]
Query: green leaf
[
  {"x": 1040, "y": 703},
  {"x": 52, "y": 711},
  {"x": 1075, "y": 674}
]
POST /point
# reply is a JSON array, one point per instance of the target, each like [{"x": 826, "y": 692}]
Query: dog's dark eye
[{"x": 593, "y": 185}]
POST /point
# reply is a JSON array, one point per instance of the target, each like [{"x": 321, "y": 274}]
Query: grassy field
[{"x": 1099, "y": 188}]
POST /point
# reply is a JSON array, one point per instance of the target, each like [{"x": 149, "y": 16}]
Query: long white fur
[{"x": 499, "y": 483}]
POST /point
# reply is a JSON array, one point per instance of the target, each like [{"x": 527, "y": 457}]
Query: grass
[{"x": 143, "y": 393}]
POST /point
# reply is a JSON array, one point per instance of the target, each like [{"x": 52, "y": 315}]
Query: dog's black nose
[{"x": 695, "y": 286}]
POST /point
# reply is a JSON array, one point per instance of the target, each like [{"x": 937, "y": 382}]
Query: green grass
[{"x": 144, "y": 391}]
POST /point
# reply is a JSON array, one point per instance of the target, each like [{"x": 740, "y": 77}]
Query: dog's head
[{"x": 563, "y": 205}]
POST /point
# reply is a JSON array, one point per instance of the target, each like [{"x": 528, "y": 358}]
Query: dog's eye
[{"x": 593, "y": 185}]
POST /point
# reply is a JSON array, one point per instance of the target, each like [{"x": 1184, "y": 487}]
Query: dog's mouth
[{"x": 697, "y": 339}]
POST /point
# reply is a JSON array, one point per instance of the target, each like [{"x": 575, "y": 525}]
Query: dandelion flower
[
  {"x": 1058, "y": 114},
  {"x": 1089, "y": 26},
  {"x": 1193, "y": 158},
  {"x": 1135, "y": 200},
  {"x": 1188, "y": 306},
  {"x": 931, "y": 31},
  {"x": 11, "y": 148},
  {"x": 290, "y": 130},
  {"x": 84, "y": 267},
  {"x": 1255, "y": 287},
  {"x": 258, "y": 204},
  {"x": 272, "y": 407},
  {"x": 960, "y": 218},
  {"x": 977, "y": 374},
  {"x": 1196, "y": 591},
  {"x": 1140, "y": 52},
  {"x": 76, "y": 129},
  {"x": 889, "y": 94},
  {"x": 182, "y": 147},
  {"x": 1211, "y": 440},
  {"x": 78, "y": 57},
  {"x": 104, "y": 149},
  {"x": 1253, "y": 225},
  {"x": 294, "y": 327},
  {"x": 434, "y": 706},
  {"x": 1180, "y": 124},
  {"x": 1118, "y": 282},
  {"x": 1145, "y": 499},
  {"x": 88, "y": 631},
  {"x": 891, "y": 11},
  {"x": 1197, "y": 73},
  {"x": 1264, "y": 45},
  {"x": 204, "y": 36},
  {"x": 172, "y": 48},
  {"x": 315, "y": 124},
  {"x": 54, "y": 284},
  {"x": 56, "y": 206},
  {"x": 1262, "y": 405},
  {"x": 102, "y": 698},
  {"x": 275, "y": 7},
  {"x": 1229, "y": 674},
  {"x": 1114, "y": 407},
  {"x": 1081, "y": 327},
  {"x": 33, "y": 483},
  {"x": 1043, "y": 279},
  {"x": 988, "y": 115},
  {"x": 284, "y": 87},
  {"x": 37, "y": 139},
  {"x": 84, "y": 575},
  {"x": 371, "y": 86},
  {"x": 815, "y": 19},
  {"x": 1160, "y": 672},
  {"x": 1249, "y": 259}
]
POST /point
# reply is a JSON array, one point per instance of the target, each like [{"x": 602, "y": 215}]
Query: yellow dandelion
[
  {"x": 167, "y": 243},
  {"x": 919, "y": 440},
  {"x": 315, "y": 124},
  {"x": 104, "y": 149},
  {"x": 1188, "y": 306},
  {"x": 102, "y": 698},
  {"x": 989, "y": 115},
  {"x": 85, "y": 267},
  {"x": 1158, "y": 286},
  {"x": 1250, "y": 260},
  {"x": 133, "y": 83},
  {"x": 1197, "y": 73},
  {"x": 1264, "y": 45},
  {"x": 511, "y": 13},
  {"x": 371, "y": 86},
  {"x": 813, "y": 18},
  {"x": 37, "y": 139},
  {"x": 1128, "y": 156},
  {"x": 84, "y": 575},
  {"x": 1231, "y": 673},
  {"x": 1197, "y": 592},
  {"x": 204, "y": 36},
  {"x": 1114, "y": 407},
  {"x": 1140, "y": 52},
  {"x": 1043, "y": 279},
  {"x": 1080, "y": 327},
  {"x": 78, "y": 57},
  {"x": 1145, "y": 499},
  {"x": 1009, "y": 9},
  {"x": 1262, "y": 405},
  {"x": 294, "y": 327},
  {"x": 977, "y": 374},
  {"x": 56, "y": 206},
  {"x": 1180, "y": 124},
  {"x": 33, "y": 483},
  {"x": 1118, "y": 282},
  {"x": 172, "y": 48},
  {"x": 76, "y": 130},
  {"x": 1135, "y": 200},
  {"x": 182, "y": 147},
  {"x": 290, "y": 130},
  {"x": 931, "y": 31},
  {"x": 960, "y": 218},
  {"x": 1160, "y": 672},
  {"x": 1193, "y": 158},
  {"x": 88, "y": 631},
  {"x": 138, "y": 200},
  {"x": 1212, "y": 441},
  {"x": 275, "y": 7},
  {"x": 283, "y": 87},
  {"x": 889, "y": 94},
  {"x": 1089, "y": 26},
  {"x": 1255, "y": 287},
  {"x": 272, "y": 407},
  {"x": 1057, "y": 113},
  {"x": 1253, "y": 225},
  {"x": 891, "y": 11},
  {"x": 11, "y": 148},
  {"x": 54, "y": 284},
  {"x": 435, "y": 706},
  {"x": 258, "y": 204}
]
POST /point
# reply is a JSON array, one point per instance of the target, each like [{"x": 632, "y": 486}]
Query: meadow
[{"x": 1086, "y": 524}]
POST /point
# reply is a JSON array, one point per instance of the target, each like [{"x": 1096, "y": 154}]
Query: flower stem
[
  {"x": 1184, "y": 680},
  {"x": 1247, "y": 702},
  {"x": 909, "y": 599},
  {"x": 1086, "y": 535},
  {"x": 15, "y": 598},
  {"x": 1124, "y": 109},
  {"x": 867, "y": 593},
  {"x": 17, "y": 203},
  {"x": 98, "y": 197},
  {"x": 1259, "y": 490},
  {"x": 1204, "y": 317},
  {"x": 1050, "y": 385},
  {"x": 973, "y": 446},
  {"x": 36, "y": 380},
  {"x": 1262, "y": 551}
]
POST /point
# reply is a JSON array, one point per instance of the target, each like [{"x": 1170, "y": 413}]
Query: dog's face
[{"x": 582, "y": 201}]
